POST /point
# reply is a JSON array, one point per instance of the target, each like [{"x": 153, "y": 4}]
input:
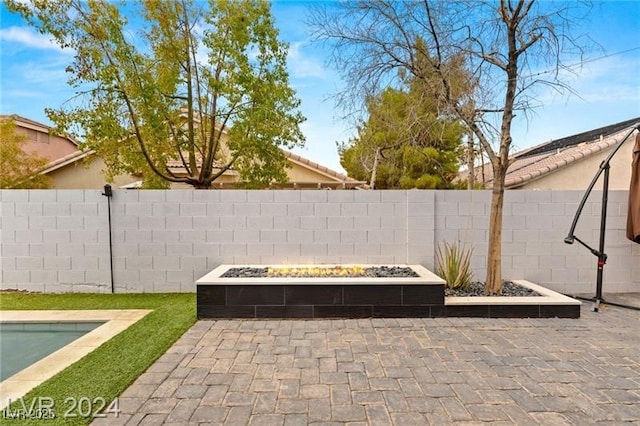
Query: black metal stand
[
  {"x": 570, "y": 238},
  {"x": 109, "y": 193},
  {"x": 593, "y": 299}
]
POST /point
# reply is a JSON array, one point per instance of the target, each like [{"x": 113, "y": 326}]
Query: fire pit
[
  {"x": 353, "y": 271},
  {"x": 319, "y": 291}
]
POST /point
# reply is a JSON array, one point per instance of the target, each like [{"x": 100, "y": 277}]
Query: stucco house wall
[
  {"x": 40, "y": 142},
  {"x": 298, "y": 174},
  {"x": 86, "y": 173}
]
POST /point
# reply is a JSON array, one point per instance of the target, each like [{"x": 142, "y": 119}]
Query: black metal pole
[
  {"x": 109, "y": 193},
  {"x": 602, "y": 257}
]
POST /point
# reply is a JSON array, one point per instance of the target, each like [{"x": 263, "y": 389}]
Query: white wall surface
[{"x": 58, "y": 240}]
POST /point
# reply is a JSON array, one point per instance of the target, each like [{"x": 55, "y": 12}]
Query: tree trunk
[
  {"x": 484, "y": 178},
  {"x": 201, "y": 185},
  {"x": 374, "y": 172},
  {"x": 470, "y": 162},
  {"x": 493, "y": 283}
]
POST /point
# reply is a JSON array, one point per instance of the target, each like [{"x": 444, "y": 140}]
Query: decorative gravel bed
[
  {"x": 509, "y": 289},
  {"x": 331, "y": 272}
]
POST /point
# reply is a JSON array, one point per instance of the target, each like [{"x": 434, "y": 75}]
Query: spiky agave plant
[{"x": 453, "y": 264}]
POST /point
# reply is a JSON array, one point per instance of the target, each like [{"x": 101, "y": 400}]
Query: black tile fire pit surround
[
  {"x": 353, "y": 301},
  {"x": 317, "y": 301}
]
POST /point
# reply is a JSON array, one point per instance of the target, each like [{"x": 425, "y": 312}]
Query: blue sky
[{"x": 608, "y": 87}]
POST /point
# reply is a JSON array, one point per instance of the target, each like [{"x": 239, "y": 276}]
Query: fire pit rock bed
[
  {"x": 320, "y": 272},
  {"x": 249, "y": 291}
]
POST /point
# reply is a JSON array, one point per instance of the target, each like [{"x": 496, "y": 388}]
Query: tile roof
[
  {"x": 569, "y": 141},
  {"x": 540, "y": 160},
  {"x": 66, "y": 160},
  {"x": 17, "y": 117},
  {"x": 44, "y": 128}
]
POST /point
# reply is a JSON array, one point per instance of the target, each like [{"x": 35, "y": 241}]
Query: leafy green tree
[
  {"x": 201, "y": 88},
  {"x": 404, "y": 143},
  {"x": 18, "y": 168}
]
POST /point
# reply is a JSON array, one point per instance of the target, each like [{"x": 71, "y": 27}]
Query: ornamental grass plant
[{"x": 453, "y": 264}]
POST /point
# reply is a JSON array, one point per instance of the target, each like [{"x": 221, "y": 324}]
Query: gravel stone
[
  {"x": 477, "y": 289},
  {"x": 509, "y": 289}
]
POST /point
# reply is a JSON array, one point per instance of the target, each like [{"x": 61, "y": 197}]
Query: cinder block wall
[
  {"x": 57, "y": 240},
  {"x": 54, "y": 240},
  {"x": 535, "y": 224}
]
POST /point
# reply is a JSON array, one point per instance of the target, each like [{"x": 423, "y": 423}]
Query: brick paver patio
[{"x": 402, "y": 372}]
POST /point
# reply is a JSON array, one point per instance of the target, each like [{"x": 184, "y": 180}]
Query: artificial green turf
[{"x": 106, "y": 372}]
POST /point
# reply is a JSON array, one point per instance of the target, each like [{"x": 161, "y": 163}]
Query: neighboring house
[
  {"x": 301, "y": 172},
  {"x": 72, "y": 168},
  {"x": 570, "y": 162},
  {"x": 39, "y": 139},
  {"x": 68, "y": 167},
  {"x": 82, "y": 170},
  {"x": 305, "y": 173}
]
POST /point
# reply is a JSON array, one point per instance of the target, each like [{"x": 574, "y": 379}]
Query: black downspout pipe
[
  {"x": 570, "y": 238},
  {"x": 109, "y": 193}
]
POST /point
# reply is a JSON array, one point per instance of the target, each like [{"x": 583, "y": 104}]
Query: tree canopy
[
  {"x": 180, "y": 91},
  {"x": 403, "y": 143},
  {"x": 19, "y": 169}
]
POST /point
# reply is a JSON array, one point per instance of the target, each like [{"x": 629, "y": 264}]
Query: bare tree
[{"x": 489, "y": 58}]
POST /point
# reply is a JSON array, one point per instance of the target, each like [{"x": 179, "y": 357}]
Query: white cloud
[
  {"x": 21, "y": 94},
  {"x": 303, "y": 66},
  {"x": 604, "y": 80},
  {"x": 28, "y": 37},
  {"x": 43, "y": 73},
  {"x": 611, "y": 79}
]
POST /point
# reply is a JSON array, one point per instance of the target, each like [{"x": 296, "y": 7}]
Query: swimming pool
[
  {"x": 109, "y": 322},
  {"x": 22, "y": 344}
]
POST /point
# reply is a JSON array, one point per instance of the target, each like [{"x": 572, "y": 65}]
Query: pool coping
[{"x": 116, "y": 321}]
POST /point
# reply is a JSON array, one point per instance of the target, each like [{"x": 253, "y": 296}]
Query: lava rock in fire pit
[
  {"x": 245, "y": 273},
  {"x": 373, "y": 272}
]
